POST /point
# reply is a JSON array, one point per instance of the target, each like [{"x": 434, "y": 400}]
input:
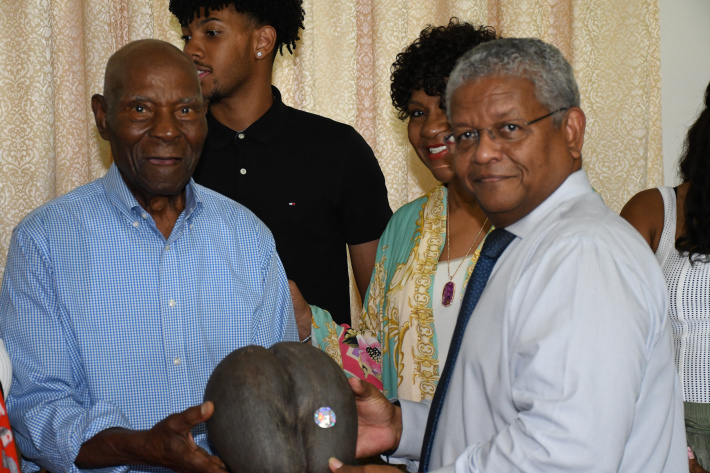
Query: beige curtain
[{"x": 53, "y": 54}]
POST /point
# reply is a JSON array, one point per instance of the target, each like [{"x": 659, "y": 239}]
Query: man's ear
[
  {"x": 574, "y": 125},
  {"x": 98, "y": 105},
  {"x": 265, "y": 41}
]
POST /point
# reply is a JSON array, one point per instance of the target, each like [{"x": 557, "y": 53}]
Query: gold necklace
[{"x": 447, "y": 295}]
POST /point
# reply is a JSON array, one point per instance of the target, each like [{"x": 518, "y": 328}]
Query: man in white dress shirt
[{"x": 566, "y": 363}]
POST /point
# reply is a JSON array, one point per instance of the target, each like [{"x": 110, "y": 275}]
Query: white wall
[{"x": 685, "y": 72}]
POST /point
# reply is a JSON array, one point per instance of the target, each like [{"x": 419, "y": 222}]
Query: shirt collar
[
  {"x": 264, "y": 130},
  {"x": 575, "y": 185},
  {"x": 122, "y": 198}
]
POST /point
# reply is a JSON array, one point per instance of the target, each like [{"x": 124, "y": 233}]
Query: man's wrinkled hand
[{"x": 170, "y": 444}]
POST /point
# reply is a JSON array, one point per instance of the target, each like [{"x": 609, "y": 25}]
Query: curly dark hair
[
  {"x": 695, "y": 170},
  {"x": 428, "y": 61},
  {"x": 285, "y": 16}
]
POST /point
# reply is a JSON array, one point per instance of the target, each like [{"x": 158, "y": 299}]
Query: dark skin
[
  {"x": 427, "y": 130},
  {"x": 234, "y": 58},
  {"x": 153, "y": 115},
  {"x": 645, "y": 212},
  {"x": 509, "y": 180}
]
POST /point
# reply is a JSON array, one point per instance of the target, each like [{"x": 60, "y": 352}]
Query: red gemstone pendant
[{"x": 447, "y": 295}]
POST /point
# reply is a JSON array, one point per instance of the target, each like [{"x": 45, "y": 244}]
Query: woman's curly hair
[
  {"x": 428, "y": 61},
  {"x": 695, "y": 169},
  {"x": 285, "y": 16}
]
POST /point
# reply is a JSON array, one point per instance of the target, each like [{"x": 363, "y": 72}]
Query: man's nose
[
  {"x": 488, "y": 147},
  {"x": 165, "y": 125},
  {"x": 193, "y": 49}
]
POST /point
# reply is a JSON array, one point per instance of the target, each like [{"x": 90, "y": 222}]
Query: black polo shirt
[{"x": 313, "y": 181}]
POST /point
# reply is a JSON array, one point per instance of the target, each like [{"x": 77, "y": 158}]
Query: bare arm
[
  {"x": 301, "y": 310},
  {"x": 362, "y": 257},
  {"x": 168, "y": 444},
  {"x": 645, "y": 213},
  {"x": 693, "y": 463}
]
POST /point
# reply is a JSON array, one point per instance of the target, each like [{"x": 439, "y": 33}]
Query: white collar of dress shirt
[{"x": 575, "y": 184}]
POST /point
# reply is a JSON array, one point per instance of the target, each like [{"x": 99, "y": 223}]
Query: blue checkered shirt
[{"x": 110, "y": 325}]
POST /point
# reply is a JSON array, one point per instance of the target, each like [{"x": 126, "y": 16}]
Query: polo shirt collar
[{"x": 264, "y": 130}]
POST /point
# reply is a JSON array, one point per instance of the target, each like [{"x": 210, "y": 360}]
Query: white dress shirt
[{"x": 567, "y": 361}]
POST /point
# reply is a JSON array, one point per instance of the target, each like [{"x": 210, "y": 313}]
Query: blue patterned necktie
[{"x": 495, "y": 244}]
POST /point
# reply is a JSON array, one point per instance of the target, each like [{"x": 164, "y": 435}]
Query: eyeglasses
[{"x": 505, "y": 132}]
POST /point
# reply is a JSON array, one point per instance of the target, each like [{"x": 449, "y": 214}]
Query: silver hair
[{"x": 529, "y": 58}]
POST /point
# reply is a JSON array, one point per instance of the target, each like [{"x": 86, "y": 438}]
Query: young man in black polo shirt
[{"x": 313, "y": 181}]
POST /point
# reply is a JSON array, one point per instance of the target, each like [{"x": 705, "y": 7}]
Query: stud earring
[{"x": 259, "y": 54}]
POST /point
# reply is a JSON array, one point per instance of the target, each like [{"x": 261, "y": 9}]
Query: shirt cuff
[
  {"x": 102, "y": 416},
  {"x": 414, "y": 417}
]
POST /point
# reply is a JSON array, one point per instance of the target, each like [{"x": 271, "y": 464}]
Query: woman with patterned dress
[
  {"x": 429, "y": 248},
  {"x": 675, "y": 221}
]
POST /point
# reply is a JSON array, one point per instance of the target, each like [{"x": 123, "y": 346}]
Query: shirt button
[
  {"x": 144, "y": 215},
  {"x": 242, "y": 171},
  {"x": 172, "y": 303},
  {"x": 167, "y": 247},
  {"x": 177, "y": 361},
  {"x": 136, "y": 224},
  {"x": 240, "y": 136}
]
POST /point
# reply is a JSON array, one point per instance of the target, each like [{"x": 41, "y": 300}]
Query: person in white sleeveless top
[{"x": 675, "y": 221}]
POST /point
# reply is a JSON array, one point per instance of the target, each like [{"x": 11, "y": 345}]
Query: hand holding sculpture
[{"x": 286, "y": 409}]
